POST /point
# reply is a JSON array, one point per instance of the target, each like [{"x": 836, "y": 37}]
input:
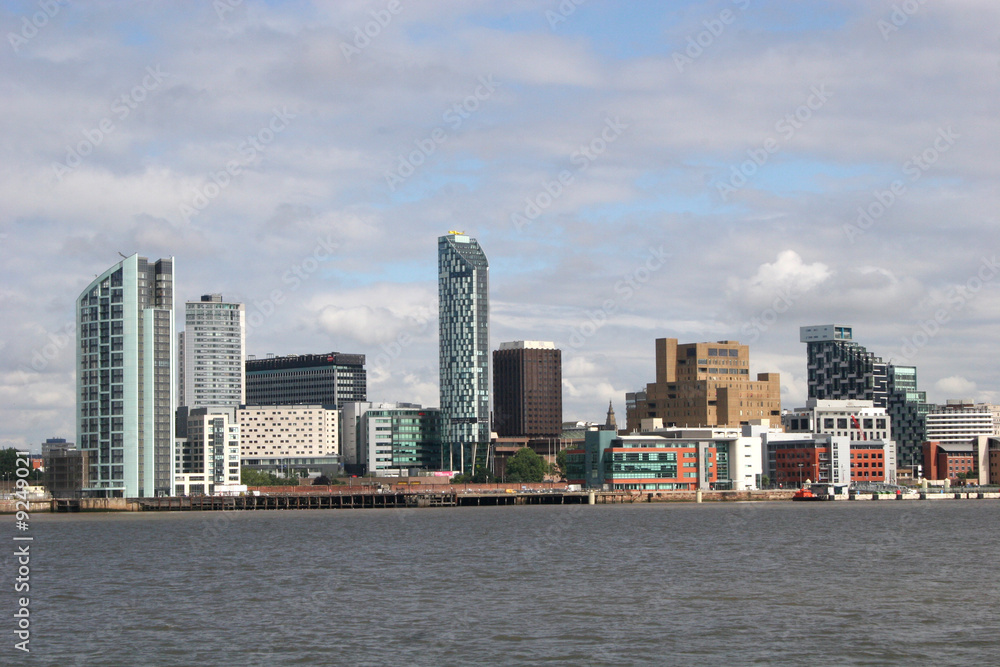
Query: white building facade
[
  {"x": 207, "y": 461},
  {"x": 282, "y": 438},
  {"x": 213, "y": 346}
]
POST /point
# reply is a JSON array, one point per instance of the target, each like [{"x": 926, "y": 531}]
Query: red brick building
[{"x": 948, "y": 461}]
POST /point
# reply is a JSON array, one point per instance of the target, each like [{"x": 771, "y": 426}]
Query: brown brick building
[
  {"x": 705, "y": 384},
  {"x": 527, "y": 390}
]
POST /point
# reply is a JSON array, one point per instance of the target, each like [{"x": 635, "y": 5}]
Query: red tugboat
[{"x": 805, "y": 494}]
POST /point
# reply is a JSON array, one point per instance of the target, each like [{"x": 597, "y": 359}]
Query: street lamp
[{"x": 800, "y": 475}]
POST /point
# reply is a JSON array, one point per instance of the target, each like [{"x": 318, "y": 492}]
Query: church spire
[{"x": 610, "y": 424}]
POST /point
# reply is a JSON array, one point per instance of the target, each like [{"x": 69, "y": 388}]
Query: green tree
[
  {"x": 559, "y": 468},
  {"x": 526, "y": 466},
  {"x": 252, "y": 477}
]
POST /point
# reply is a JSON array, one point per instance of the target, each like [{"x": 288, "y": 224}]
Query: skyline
[{"x": 719, "y": 171}]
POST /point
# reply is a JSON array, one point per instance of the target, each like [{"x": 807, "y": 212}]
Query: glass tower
[
  {"x": 464, "y": 344},
  {"x": 126, "y": 361}
]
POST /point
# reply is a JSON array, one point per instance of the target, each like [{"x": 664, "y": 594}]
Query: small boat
[{"x": 805, "y": 494}]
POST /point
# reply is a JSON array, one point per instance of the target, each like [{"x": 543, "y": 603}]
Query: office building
[
  {"x": 290, "y": 439},
  {"x": 126, "y": 386},
  {"x": 958, "y": 422},
  {"x": 213, "y": 346},
  {"x": 704, "y": 384},
  {"x": 856, "y": 419},
  {"x": 331, "y": 379},
  {"x": 464, "y": 350},
  {"x": 207, "y": 460},
  {"x": 391, "y": 439},
  {"x": 527, "y": 389},
  {"x": 67, "y": 469}
]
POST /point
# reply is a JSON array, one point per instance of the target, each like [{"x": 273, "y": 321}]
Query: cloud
[{"x": 956, "y": 386}]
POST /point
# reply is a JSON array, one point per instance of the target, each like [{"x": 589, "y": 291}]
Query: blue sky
[{"x": 332, "y": 117}]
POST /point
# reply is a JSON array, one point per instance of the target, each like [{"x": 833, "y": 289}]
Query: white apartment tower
[{"x": 213, "y": 347}]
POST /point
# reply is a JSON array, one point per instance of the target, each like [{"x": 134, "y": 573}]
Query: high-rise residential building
[
  {"x": 704, "y": 384},
  {"x": 840, "y": 368},
  {"x": 527, "y": 389},
  {"x": 331, "y": 379},
  {"x": 464, "y": 350},
  {"x": 126, "y": 365},
  {"x": 212, "y": 347}
]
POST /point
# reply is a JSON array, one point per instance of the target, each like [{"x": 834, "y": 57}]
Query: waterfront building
[
  {"x": 527, "y": 389},
  {"x": 212, "y": 348},
  {"x": 67, "y": 469},
  {"x": 208, "y": 457},
  {"x": 835, "y": 459},
  {"x": 704, "y": 384},
  {"x": 331, "y": 379},
  {"x": 126, "y": 365},
  {"x": 857, "y": 419},
  {"x": 840, "y": 368},
  {"x": 908, "y": 408},
  {"x": 284, "y": 439},
  {"x": 464, "y": 349},
  {"x": 391, "y": 439},
  {"x": 959, "y": 422},
  {"x": 949, "y": 460},
  {"x": 643, "y": 462}
]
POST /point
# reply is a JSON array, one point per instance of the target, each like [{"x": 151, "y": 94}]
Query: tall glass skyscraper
[
  {"x": 464, "y": 350},
  {"x": 126, "y": 361}
]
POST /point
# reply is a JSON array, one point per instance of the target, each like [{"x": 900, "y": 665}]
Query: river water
[{"x": 859, "y": 582}]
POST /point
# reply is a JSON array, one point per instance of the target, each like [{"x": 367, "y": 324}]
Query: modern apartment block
[
  {"x": 836, "y": 459},
  {"x": 126, "y": 379},
  {"x": 283, "y": 438},
  {"x": 390, "y": 439},
  {"x": 207, "y": 460},
  {"x": 840, "y": 368},
  {"x": 213, "y": 346},
  {"x": 464, "y": 350},
  {"x": 704, "y": 384},
  {"x": 67, "y": 469},
  {"x": 527, "y": 389},
  {"x": 331, "y": 379}
]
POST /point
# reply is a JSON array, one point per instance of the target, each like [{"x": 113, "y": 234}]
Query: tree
[
  {"x": 252, "y": 477},
  {"x": 526, "y": 466},
  {"x": 559, "y": 468},
  {"x": 765, "y": 482},
  {"x": 322, "y": 480}
]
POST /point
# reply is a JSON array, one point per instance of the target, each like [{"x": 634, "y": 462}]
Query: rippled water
[{"x": 748, "y": 583}]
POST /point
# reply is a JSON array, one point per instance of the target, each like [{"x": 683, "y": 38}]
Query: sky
[{"x": 726, "y": 170}]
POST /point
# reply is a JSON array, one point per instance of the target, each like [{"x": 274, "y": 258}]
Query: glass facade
[
  {"x": 126, "y": 360},
  {"x": 464, "y": 345},
  {"x": 307, "y": 379}
]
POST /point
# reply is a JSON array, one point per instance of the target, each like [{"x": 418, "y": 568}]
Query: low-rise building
[
  {"x": 948, "y": 461},
  {"x": 287, "y": 439},
  {"x": 207, "y": 459}
]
